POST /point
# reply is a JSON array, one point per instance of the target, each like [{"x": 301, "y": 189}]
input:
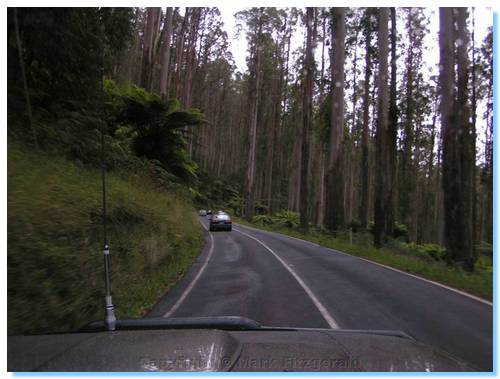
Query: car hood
[{"x": 215, "y": 349}]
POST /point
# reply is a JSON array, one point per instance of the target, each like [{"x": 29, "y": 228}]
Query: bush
[
  {"x": 287, "y": 219},
  {"x": 263, "y": 220},
  {"x": 236, "y": 204},
  {"x": 400, "y": 231},
  {"x": 426, "y": 251},
  {"x": 261, "y": 208}
]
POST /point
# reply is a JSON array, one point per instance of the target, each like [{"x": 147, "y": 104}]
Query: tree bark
[
  {"x": 381, "y": 181},
  {"x": 392, "y": 135},
  {"x": 406, "y": 179},
  {"x": 25, "y": 80},
  {"x": 365, "y": 166},
  {"x": 179, "y": 52},
  {"x": 457, "y": 147},
  {"x": 165, "y": 64},
  {"x": 320, "y": 209},
  {"x": 306, "y": 123},
  {"x": 335, "y": 217},
  {"x": 148, "y": 51},
  {"x": 250, "y": 172}
]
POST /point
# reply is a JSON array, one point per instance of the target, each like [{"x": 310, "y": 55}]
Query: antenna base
[{"x": 110, "y": 319}]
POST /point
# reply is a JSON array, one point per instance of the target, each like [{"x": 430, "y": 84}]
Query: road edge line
[
  {"x": 466, "y": 294},
  {"x": 321, "y": 308},
  {"x": 193, "y": 282}
]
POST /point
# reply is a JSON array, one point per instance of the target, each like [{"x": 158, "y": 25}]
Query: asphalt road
[{"x": 281, "y": 281}]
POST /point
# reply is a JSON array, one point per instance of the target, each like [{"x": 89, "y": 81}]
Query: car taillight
[{"x": 228, "y": 221}]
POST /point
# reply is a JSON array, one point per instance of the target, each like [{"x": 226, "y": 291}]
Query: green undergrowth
[
  {"x": 421, "y": 260},
  {"x": 55, "y": 263}
]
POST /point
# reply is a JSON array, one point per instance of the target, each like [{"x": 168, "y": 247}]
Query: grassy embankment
[
  {"x": 479, "y": 282},
  {"x": 55, "y": 269}
]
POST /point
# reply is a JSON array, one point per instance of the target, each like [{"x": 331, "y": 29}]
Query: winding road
[{"x": 282, "y": 281}]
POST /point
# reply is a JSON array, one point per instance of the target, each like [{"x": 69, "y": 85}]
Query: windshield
[{"x": 297, "y": 167}]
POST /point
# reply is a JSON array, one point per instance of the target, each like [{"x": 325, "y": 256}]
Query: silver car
[{"x": 220, "y": 221}]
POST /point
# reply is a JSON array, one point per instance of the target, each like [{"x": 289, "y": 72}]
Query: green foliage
[
  {"x": 287, "y": 218},
  {"x": 55, "y": 242},
  {"x": 117, "y": 31},
  {"x": 426, "y": 251},
  {"x": 63, "y": 52},
  {"x": 219, "y": 193},
  {"x": 262, "y": 219},
  {"x": 260, "y": 207},
  {"x": 156, "y": 128},
  {"x": 284, "y": 218},
  {"x": 400, "y": 231}
]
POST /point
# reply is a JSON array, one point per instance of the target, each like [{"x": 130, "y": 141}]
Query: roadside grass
[
  {"x": 479, "y": 282},
  {"x": 54, "y": 226}
]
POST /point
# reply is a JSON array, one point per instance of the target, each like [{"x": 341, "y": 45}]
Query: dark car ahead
[{"x": 220, "y": 221}]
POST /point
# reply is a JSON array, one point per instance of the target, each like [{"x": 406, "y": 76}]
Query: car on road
[
  {"x": 202, "y": 212},
  {"x": 221, "y": 221}
]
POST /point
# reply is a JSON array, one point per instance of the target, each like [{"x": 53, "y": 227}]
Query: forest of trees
[{"x": 348, "y": 128}]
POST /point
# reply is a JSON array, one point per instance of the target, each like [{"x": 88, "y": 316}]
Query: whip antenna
[{"x": 109, "y": 318}]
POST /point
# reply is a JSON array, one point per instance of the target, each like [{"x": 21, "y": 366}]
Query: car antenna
[{"x": 109, "y": 318}]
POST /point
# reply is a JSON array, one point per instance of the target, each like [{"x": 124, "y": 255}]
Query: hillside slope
[{"x": 55, "y": 270}]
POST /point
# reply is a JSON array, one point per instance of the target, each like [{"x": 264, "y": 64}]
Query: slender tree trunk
[
  {"x": 179, "y": 52},
  {"x": 335, "y": 217},
  {"x": 148, "y": 51},
  {"x": 352, "y": 150},
  {"x": 458, "y": 156},
  {"x": 392, "y": 135},
  {"x": 306, "y": 123},
  {"x": 476, "y": 235},
  {"x": 381, "y": 181},
  {"x": 25, "y": 81},
  {"x": 165, "y": 64},
  {"x": 320, "y": 209},
  {"x": 250, "y": 174},
  {"x": 365, "y": 166},
  {"x": 406, "y": 179},
  {"x": 191, "y": 56},
  {"x": 279, "y": 148}
]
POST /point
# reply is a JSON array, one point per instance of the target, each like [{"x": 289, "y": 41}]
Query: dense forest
[
  {"x": 345, "y": 130},
  {"x": 360, "y": 137}
]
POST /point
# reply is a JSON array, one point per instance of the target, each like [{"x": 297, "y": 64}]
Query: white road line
[
  {"x": 193, "y": 282},
  {"x": 286, "y": 235},
  {"x": 388, "y": 267},
  {"x": 418, "y": 277},
  {"x": 321, "y": 308}
]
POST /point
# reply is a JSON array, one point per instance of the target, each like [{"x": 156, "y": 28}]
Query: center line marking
[
  {"x": 193, "y": 282},
  {"x": 321, "y": 308}
]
